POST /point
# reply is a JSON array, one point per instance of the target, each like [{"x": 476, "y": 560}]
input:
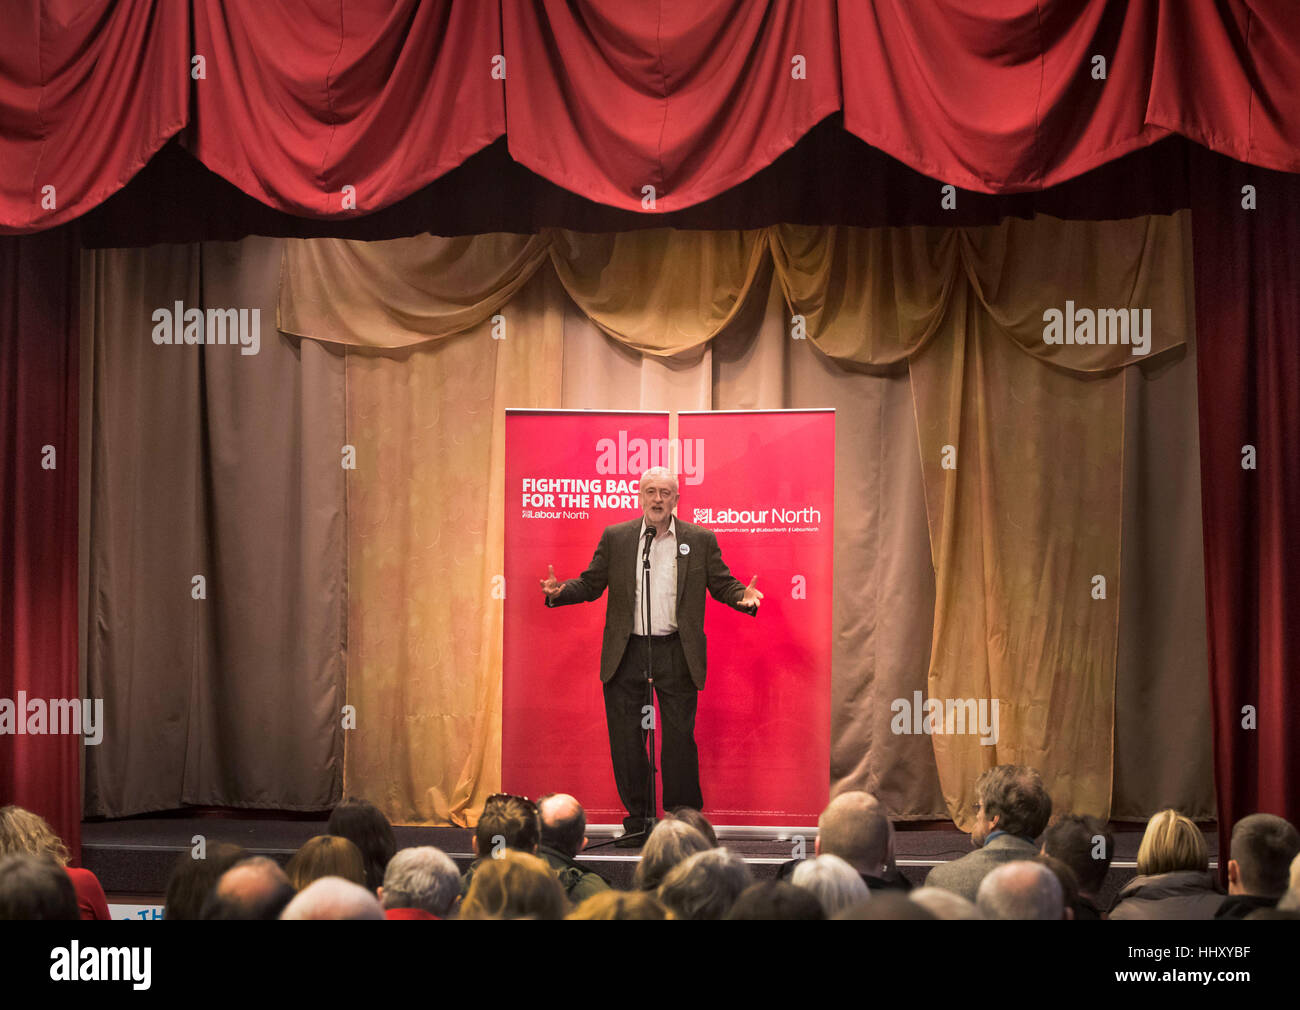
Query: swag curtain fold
[
  {"x": 1042, "y": 462},
  {"x": 1009, "y": 99},
  {"x": 89, "y": 91},
  {"x": 606, "y": 100},
  {"x": 655, "y": 107},
  {"x": 378, "y": 96}
]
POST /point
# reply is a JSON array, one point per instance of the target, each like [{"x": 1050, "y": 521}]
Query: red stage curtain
[
  {"x": 998, "y": 95},
  {"x": 303, "y": 99},
  {"x": 38, "y": 517},
  {"x": 1247, "y": 277},
  {"x": 1226, "y": 75},
  {"x": 687, "y": 98},
  {"x": 89, "y": 91},
  {"x": 608, "y": 98}
]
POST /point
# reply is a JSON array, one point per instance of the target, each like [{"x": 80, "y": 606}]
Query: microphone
[{"x": 649, "y": 536}]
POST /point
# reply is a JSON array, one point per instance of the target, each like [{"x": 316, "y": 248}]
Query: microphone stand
[{"x": 652, "y": 805}]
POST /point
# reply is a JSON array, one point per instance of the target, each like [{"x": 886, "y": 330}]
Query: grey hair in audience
[
  {"x": 944, "y": 904},
  {"x": 423, "y": 877},
  {"x": 669, "y": 843},
  {"x": 333, "y": 898},
  {"x": 836, "y": 884},
  {"x": 706, "y": 885},
  {"x": 1021, "y": 890}
]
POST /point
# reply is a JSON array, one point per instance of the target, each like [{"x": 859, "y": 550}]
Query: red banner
[
  {"x": 764, "y": 482},
  {"x": 767, "y": 489}
]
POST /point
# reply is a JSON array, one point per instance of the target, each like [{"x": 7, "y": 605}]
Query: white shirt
[{"x": 663, "y": 581}]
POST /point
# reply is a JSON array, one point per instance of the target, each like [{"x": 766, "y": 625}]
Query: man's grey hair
[
  {"x": 836, "y": 884},
  {"x": 422, "y": 877},
  {"x": 659, "y": 473},
  {"x": 333, "y": 898},
  {"x": 705, "y": 885},
  {"x": 944, "y": 904},
  {"x": 669, "y": 843},
  {"x": 1017, "y": 795},
  {"x": 1021, "y": 890}
]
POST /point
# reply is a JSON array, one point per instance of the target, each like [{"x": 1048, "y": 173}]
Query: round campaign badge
[{"x": 683, "y": 549}]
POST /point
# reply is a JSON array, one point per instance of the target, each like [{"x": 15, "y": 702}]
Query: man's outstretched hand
[
  {"x": 550, "y": 585},
  {"x": 752, "y": 595}
]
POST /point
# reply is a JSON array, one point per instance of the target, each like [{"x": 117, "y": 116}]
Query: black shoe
[{"x": 634, "y": 834}]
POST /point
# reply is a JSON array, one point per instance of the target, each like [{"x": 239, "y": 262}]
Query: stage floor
[{"x": 134, "y": 856}]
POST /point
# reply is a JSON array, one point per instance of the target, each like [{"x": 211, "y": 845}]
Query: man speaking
[{"x": 683, "y": 561}]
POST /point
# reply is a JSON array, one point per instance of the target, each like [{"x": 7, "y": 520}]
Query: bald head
[
  {"x": 1021, "y": 890},
  {"x": 564, "y": 823},
  {"x": 254, "y": 888},
  {"x": 333, "y": 898},
  {"x": 854, "y": 827}
]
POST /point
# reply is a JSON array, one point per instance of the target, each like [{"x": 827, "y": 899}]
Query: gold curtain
[{"x": 1030, "y": 513}]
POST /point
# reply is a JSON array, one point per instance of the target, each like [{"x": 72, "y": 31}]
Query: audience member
[
  {"x": 35, "y": 889},
  {"x": 333, "y": 899},
  {"x": 1086, "y": 846},
  {"x": 1274, "y": 913},
  {"x": 1021, "y": 890},
  {"x": 855, "y": 827},
  {"x": 193, "y": 878},
  {"x": 507, "y": 822},
  {"x": 420, "y": 883},
  {"x": 326, "y": 856},
  {"x": 777, "y": 900},
  {"x": 943, "y": 904},
  {"x": 365, "y": 826},
  {"x": 514, "y": 885},
  {"x": 253, "y": 889},
  {"x": 620, "y": 905},
  {"x": 1012, "y": 807},
  {"x": 1066, "y": 878},
  {"x": 698, "y": 821},
  {"x": 669, "y": 843},
  {"x": 1260, "y": 855},
  {"x": 887, "y": 905},
  {"x": 835, "y": 883},
  {"x": 705, "y": 885},
  {"x": 1290, "y": 902},
  {"x": 25, "y": 833},
  {"x": 564, "y": 835},
  {"x": 1173, "y": 879}
]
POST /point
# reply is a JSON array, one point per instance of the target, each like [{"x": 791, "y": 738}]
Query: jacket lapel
[{"x": 625, "y": 556}]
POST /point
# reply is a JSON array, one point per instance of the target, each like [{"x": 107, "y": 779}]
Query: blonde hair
[
  {"x": 514, "y": 885},
  {"x": 25, "y": 833},
  {"x": 326, "y": 856},
  {"x": 621, "y": 905},
  {"x": 1171, "y": 843}
]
